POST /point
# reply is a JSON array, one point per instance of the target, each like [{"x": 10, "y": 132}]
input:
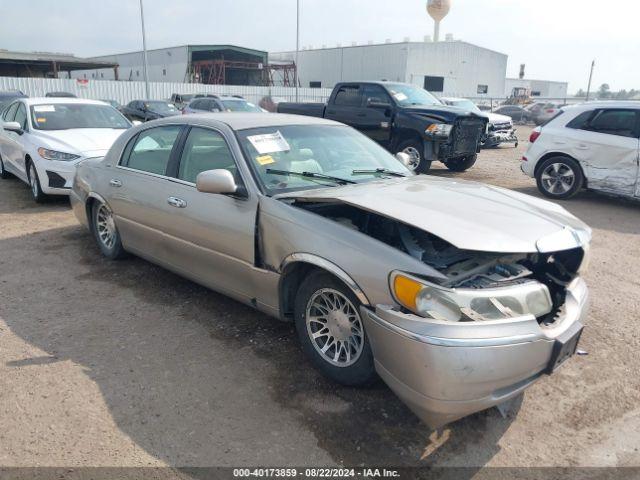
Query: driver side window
[{"x": 205, "y": 150}]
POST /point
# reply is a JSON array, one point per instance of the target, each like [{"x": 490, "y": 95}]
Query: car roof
[
  {"x": 245, "y": 120},
  {"x": 56, "y": 100},
  {"x": 606, "y": 104}
]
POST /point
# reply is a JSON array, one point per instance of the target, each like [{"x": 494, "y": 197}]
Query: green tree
[
  {"x": 604, "y": 91},
  {"x": 581, "y": 93}
]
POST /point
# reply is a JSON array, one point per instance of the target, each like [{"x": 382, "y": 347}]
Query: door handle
[
  {"x": 176, "y": 202},
  {"x": 114, "y": 182},
  {"x": 582, "y": 146}
]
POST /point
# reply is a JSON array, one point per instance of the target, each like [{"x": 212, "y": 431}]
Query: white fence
[{"x": 124, "y": 92}]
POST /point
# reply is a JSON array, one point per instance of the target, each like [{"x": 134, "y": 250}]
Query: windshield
[
  {"x": 408, "y": 95},
  {"x": 160, "y": 107},
  {"x": 321, "y": 150},
  {"x": 240, "y": 106},
  {"x": 466, "y": 104},
  {"x": 64, "y": 116}
]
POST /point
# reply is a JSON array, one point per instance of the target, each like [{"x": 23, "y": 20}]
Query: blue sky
[{"x": 556, "y": 39}]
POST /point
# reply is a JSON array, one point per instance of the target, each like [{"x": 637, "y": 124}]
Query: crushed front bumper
[
  {"x": 444, "y": 371},
  {"x": 497, "y": 138}
]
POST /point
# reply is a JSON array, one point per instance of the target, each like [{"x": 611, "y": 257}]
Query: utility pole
[
  {"x": 593, "y": 64},
  {"x": 297, "y": 45},
  {"x": 144, "y": 53}
]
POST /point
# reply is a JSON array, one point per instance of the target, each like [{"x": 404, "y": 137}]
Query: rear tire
[
  {"x": 559, "y": 177},
  {"x": 105, "y": 232},
  {"x": 461, "y": 164},
  {"x": 34, "y": 182},
  {"x": 327, "y": 316},
  {"x": 415, "y": 149}
]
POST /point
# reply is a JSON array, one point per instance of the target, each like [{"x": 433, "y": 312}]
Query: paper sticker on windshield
[
  {"x": 269, "y": 143},
  {"x": 265, "y": 159},
  {"x": 44, "y": 108},
  {"x": 400, "y": 96},
  {"x": 41, "y": 120}
]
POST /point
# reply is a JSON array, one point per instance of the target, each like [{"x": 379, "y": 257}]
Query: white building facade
[
  {"x": 452, "y": 67},
  {"x": 538, "y": 88}
]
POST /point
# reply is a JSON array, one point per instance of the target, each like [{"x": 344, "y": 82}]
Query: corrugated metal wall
[{"x": 124, "y": 92}]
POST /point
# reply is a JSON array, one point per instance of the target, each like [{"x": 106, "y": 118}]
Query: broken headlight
[
  {"x": 460, "y": 305},
  {"x": 439, "y": 129}
]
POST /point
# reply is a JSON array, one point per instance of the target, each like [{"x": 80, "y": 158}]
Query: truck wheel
[
  {"x": 415, "y": 150},
  {"x": 461, "y": 164}
]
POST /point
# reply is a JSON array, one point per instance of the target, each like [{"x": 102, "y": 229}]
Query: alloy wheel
[
  {"x": 334, "y": 327},
  {"x": 558, "y": 178},
  {"x": 414, "y": 157},
  {"x": 106, "y": 227},
  {"x": 33, "y": 180}
]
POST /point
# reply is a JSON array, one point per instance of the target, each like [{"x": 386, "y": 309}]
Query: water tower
[{"x": 438, "y": 9}]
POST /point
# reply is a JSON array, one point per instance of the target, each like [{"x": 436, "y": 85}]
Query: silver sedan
[{"x": 459, "y": 295}]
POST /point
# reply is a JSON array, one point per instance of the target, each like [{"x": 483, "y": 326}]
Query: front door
[
  {"x": 606, "y": 142},
  {"x": 375, "y": 119},
  {"x": 211, "y": 237}
]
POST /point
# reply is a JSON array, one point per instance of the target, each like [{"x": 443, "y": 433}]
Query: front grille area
[
  {"x": 466, "y": 135},
  {"x": 55, "y": 180}
]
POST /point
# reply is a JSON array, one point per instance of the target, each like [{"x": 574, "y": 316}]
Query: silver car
[{"x": 458, "y": 294}]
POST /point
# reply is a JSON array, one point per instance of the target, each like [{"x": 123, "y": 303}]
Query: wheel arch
[
  {"x": 549, "y": 155},
  {"x": 92, "y": 198},
  {"x": 296, "y": 267}
]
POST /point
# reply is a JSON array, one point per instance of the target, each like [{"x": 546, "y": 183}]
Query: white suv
[{"x": 592, "y": 145}]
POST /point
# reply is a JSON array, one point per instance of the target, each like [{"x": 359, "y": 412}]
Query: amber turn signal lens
[{"x": 405, "y": 291}]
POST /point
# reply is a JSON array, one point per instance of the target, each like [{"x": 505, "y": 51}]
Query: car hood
[
  {"x": 497, "y": 118},
  {"x": 444, "y": 112},
  {"x": 469, "y": 215},
  {"x": 81, "y": 141}
]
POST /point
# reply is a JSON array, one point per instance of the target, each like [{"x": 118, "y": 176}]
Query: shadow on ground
[{"x": 197, "y": 379}]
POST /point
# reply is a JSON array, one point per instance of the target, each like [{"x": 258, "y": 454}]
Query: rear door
[
  {"x": 9, "y": 146},
  {"x": 607, "y": 145},
  {"x": 211, "y": 236},
  {"x": 139, "y": 187},
  {"x": 347, "y": 106}
]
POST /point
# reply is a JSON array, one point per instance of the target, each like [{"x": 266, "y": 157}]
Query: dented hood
[{"x": 469, "y": 215}]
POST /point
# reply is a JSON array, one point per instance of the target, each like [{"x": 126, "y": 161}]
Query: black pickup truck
[{"x": 403, "y": 118}]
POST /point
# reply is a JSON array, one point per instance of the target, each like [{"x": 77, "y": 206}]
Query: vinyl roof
[{"x": 242, "y": 121}]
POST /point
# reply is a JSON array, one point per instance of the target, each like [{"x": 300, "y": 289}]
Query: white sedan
[{"x": 43, "y": 139}]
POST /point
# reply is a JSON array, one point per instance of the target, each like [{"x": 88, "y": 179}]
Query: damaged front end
[{"x": 479, "y": 330}]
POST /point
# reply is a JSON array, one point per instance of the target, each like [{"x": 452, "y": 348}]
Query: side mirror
[
  {"x": 376, "y": 103},
  {"x": 404, "y": 158},
  {"x": 216, "y": 181},
  {"x": 13, "y": 127}
]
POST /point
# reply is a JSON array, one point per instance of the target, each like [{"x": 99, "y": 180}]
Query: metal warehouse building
[
  {"x": 208, "y": 64},
  {"x": 451, "y": 67}
]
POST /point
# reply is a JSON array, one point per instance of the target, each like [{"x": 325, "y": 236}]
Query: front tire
[
  {"x": 3, "y": 173},
  {"x": 559, "y": 178},
  {"x": 415, "y": 149},
  {"x": 105, "y": 232},
  {"x": 461, "y": 164},
  {"x": 331, "y": 331},
  {"x": 34, "y": 182}
]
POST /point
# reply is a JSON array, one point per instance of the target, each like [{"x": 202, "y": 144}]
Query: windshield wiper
[
  {"x": 321, "y": 176},
  {"x": 378, "y": 171}
]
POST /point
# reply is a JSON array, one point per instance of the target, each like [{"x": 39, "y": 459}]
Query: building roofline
[
  {"x": 536, "y": 80},
  {"x": 187, "y": 46}
]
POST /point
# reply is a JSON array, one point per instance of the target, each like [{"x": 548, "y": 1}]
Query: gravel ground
[{"x": 126, "y": 364}]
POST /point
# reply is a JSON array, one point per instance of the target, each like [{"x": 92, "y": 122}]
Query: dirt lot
[{"x": 126, "y": 364}]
